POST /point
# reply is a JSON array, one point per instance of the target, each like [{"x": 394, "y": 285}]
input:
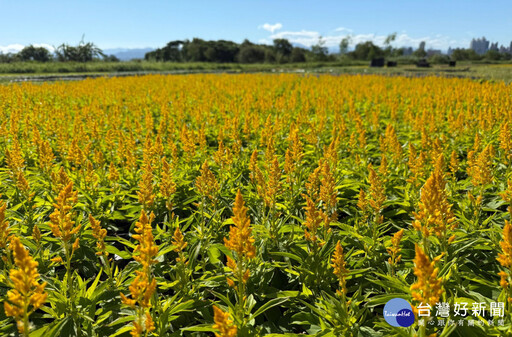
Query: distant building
[
  {"x": 431, "y": 52},
  {"x": 407, "y": 51},
  {"x": 480, "y": 46}
]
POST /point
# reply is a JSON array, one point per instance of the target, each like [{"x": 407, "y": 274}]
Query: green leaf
[{"x": 272, "y": 303}]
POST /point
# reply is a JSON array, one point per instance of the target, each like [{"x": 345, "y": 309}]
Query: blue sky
[{"x": 152, "y": 23}]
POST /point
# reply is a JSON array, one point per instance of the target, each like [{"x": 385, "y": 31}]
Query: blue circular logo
[{"x": 398, "y": 312}]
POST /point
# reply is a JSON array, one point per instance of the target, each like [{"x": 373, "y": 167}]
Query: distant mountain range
[{"x": 126, "y": 54}]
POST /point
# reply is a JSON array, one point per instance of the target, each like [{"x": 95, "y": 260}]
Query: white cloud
[
  {"x": 271, "y": 28},
  {"x": 12, "y": 48},
  {"x": 343, "y": 29},
  {"x": 15, "y": 48},
  {"x": 309, "y": 38}
]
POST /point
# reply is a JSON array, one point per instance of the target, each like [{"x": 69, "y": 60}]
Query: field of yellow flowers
[{"x": 252, "y": 205}]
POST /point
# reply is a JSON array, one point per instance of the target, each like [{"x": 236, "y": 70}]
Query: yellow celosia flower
[
  {"x": 377, "y": 194},
  {"x": 328, "y": 193},
  {"x": 36, "y": 234},
  {"x": 167, "y": 184},
  {"x": 505, "y": 257},
  {"x": 338, "y": 264},
  {"x": 61, "y": 222},
  {"x": 480, "y": 166},
  {"x": 223, "y": 323},
  {"x": 505, "y": 140},
  {"x": 206, "y": 183},
  {"x": 113, "y": 173},
  {"x": 395, "y": 249},
  {"x": 145, "y": 193},
  {"x": 4, "y": 226},
  {"x": 99, "y": 234},
  {"x": 273, "y": 185},
  {"x": 27, "y": 290},
  {"x": 144, "y": 285},
  {"x": 312, "y": 222},
  {"x": 435, "y": 215},
  {"x": 253, "y": 167},
  {"x": 188, "y": 142},
  {"x": 146, "y": 250},
  {"x": 428, "y": 287},
  {"x": 416, "y": 166},
  {"x": 178, "y": 240},
  {"x": 240, "y": 237}
]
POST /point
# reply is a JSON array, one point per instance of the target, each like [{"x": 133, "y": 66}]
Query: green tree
[
  {"x": 460, "y": 54},
  {"x": 344, "y": 44},
  {"x": 83, "y": 52},
  {"x": 319, "y": 50},
  {"x": 31, "y": 53},
  {"x": 387, "y": 44},
  {"x": 283, "y": 49},
  {"x": 298, "y": 55},
  {"x": 366, "y": 51},
  {"x": 420, "y": 52},
  {"x": 251, "y": 53}
]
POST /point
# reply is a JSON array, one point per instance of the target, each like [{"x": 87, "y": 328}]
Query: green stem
[{"x": 26, "y": 326}]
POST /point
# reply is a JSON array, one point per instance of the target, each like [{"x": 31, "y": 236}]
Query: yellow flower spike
[
  {"x": 145, "y": 193},
  {"x": 178, "y": 240},
  {"x": 480, "y": 166},
  {"x": 223, "y": 323},
  {"x": 144, "y": 285},
  {"x": 76, "y": 244},
  {"x": 36, "y": 234},
  {"x": 61, "y": 223},
  {"x": 395, "y": 249},
  {"x": 428, "y": 286},
  {"x": 435, "y": 215},
  {"x": 505, "y": 257},
  {"x": 454, "y": 163},
  {"x": 253, "y": 167},
  {"x": 240, "y": 239},
  {"x": 113, "y": 173},
  {"x": 273, "y": 184},
  {"x": 99, "y": 234},
  {"x": 312, "y": 222},
  {"x": 362, "y": 203},
  {"x": 504, "y": 279},
  {"x": 206, "y": 183},
  {"x": 377, "y": 194},
  {"x": 137, "y": 330},
  {"x": 4, "y": 226},
  {"x": 338, "y": 264},
  {"x": 27, "y": 291},
  {"x": 167, "y": 184},
  {"x": 328, "y": 193},
  {"x": 150, "y": 325},
  {"x": 146, "y": 249}
]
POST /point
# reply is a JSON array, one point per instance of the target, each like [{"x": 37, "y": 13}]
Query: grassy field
[{"x": 55, "y": 70}]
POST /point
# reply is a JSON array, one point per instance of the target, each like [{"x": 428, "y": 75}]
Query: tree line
[
  {"x": 280, "y": 51},
  {"x": 83, "y": 52},
  {"x": 222, "y": 51}
]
